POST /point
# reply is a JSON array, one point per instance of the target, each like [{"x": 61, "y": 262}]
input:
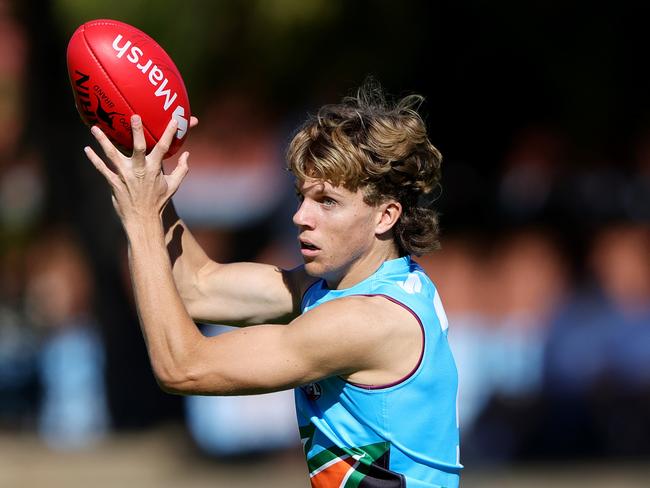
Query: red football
[{"x": 116, "y": 71}]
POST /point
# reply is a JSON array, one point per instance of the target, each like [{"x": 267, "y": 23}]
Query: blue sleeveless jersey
[{"x": 400, "y": 435}]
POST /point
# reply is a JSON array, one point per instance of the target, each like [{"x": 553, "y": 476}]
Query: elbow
[
  {"x": 191, "y": 381},
  {"x": 172, "y": 387},
  {"x": 176, "y": 381},
  {"x": 185, "y": 383}
]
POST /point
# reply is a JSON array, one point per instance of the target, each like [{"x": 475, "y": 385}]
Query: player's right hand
[{"x": 140, "y": 189}]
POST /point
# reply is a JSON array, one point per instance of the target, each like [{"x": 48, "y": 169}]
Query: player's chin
[{"x": 313, "y": 268}]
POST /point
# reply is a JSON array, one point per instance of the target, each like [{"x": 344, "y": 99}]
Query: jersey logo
[
  {"x": 359, "y": 467},
  {"x": 412, "y": 284},
  {"x": 313, "y": 391}
]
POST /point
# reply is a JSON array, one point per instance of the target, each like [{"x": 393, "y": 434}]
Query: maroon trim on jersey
[{"x": 401, "y": 380}]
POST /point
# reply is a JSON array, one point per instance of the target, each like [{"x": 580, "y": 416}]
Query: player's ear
[{"x": 388, "y": 214}]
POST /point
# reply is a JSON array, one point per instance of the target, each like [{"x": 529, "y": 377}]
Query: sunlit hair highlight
[{"x": 368, "y": 143}]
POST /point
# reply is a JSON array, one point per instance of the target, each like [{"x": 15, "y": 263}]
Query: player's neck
[{"x": 364, "y": 266}]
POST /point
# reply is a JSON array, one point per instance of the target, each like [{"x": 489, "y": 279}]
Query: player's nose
[{"x": 302, "y": 217}]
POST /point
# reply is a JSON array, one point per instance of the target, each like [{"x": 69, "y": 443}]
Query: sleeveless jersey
[{"x": 404, "y": 434}]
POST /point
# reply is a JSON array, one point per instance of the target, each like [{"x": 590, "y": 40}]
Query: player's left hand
[{"x": 140, "y": 189}]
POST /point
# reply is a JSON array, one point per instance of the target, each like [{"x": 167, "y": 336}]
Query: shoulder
[
  {"x": 368, "y": 340},
  {"x": 359, "y": 309}
]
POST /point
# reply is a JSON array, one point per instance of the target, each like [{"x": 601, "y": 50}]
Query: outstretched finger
[
  {"x": 193, "y": 122},
  {"x": 165, "y": 142},
  {"x": 111, "y": 177},
  {"x": 139, "y": 142},
  {"x": 109, "y": 149},
  {"x": 176, "y": 177}
]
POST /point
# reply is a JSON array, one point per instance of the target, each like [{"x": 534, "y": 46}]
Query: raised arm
[{"x": 236, "y": 293}]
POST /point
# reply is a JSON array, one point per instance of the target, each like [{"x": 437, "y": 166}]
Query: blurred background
[{"x": 542, "y": 112}]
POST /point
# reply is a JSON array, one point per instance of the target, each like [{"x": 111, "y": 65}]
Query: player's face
[{"x": 336, "y": 229}]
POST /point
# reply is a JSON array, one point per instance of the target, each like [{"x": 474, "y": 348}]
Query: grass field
[{"x": 165, "y": 459}]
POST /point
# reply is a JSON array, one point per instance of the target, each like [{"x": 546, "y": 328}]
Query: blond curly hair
[{"x": 366, "y": 142}]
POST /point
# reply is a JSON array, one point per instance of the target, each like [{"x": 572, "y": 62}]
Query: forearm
[
  {"x": 186, "y": 255},
  {"x": 169, "y": 332},
  {"x": 196, "y": 276},
  {"x": 237, "y": 294}
]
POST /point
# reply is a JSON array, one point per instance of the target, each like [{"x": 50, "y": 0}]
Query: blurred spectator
[
  {"x": 499, "y": 299},
  {"x": 525, "y": 283},
  {"x": 73, "y": 412},
  {"x": 18, "y": 347},
  {"x": 596, "y": 193},
  {"x": 235, "y": 155},
  {"x": 21, "y": 195},
  {"x": 598, "y": 364}
]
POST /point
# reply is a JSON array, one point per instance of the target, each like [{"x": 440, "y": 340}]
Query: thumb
[{"x": 176, "y": 177}]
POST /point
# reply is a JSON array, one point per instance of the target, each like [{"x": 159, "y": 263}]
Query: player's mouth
[{"x": 307, "y": 248}]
